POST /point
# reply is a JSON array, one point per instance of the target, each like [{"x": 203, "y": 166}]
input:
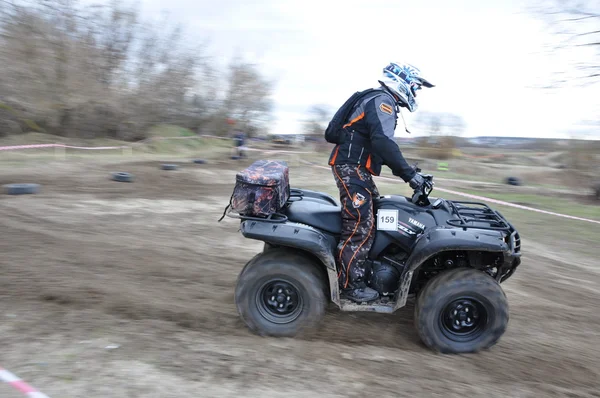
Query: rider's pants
[{"x": 357, "y": 190}]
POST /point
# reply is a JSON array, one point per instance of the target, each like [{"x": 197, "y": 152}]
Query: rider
[{"x": 370, "y": 144}]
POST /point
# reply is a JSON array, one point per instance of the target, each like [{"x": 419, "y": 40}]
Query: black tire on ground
[
  {"x": 235, "y": 157},
  {"x": 267, "y": 251},
  {"x": 21, "y": 189},
  {"x": 513, "y": 181},
  {"x": 122, "y": 176},
  {"x": 248, "y": 265},
  {"x": 465, "y": 296},
  {"x": 280, "y": 293},
  {"x": 199, "y": 161},
  {"x": 168, "y": 166}
]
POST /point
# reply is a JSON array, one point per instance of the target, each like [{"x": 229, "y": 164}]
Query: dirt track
[{"x": 90, "y": 263}]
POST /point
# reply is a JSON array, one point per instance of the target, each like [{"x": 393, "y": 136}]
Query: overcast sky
[{"x": 482, "y": 56}]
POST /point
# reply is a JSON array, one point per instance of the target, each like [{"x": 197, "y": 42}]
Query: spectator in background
[{"x": 239, "y": 139}]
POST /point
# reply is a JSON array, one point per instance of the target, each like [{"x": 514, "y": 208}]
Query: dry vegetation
[{"x": 99, "y": 71}]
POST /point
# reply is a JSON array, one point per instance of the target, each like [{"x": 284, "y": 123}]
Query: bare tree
[
  {"x": 319, "y": 116},
  {"x": 443, "y": 130},
  {"x": 576, "y": 25},
  {"x": 247, "y": 97},
  {"x": 441, "y": 123},
  {"x": 80, "y": 70}
]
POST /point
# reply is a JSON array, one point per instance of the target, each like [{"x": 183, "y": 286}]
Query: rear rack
[
  {"x": 477, "y": 215},
  {"x": 277, "y": 218}
]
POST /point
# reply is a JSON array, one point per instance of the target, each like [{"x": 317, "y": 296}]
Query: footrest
[{"x": 381, "y": 305}]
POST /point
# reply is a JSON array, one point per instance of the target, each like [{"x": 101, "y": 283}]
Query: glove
[{"x": 417, "y": 181}]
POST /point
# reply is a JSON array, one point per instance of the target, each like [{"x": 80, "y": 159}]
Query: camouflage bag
[{"x": 261, "y": 190}]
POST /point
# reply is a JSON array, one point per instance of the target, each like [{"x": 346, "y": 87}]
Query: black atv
[{"x": 450, "y": 255}]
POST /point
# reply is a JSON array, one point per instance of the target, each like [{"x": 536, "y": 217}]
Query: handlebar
[{"x": 421, "y": 195}]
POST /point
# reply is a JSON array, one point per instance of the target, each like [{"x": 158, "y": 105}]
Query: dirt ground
[{"x": 126, "y": 290}]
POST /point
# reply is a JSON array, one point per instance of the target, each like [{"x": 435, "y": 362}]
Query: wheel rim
[
  {"x": 279, "y": 301},
  {"x": 464, "y": 319}
]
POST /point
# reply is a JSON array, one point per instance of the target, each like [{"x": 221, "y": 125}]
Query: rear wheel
[
  {"x": 280, "y": 293},
  {"x": 461, "y": 311}
]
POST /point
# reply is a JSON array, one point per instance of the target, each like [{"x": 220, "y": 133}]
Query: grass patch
[
  {"x": 32, "y": 125},
  {"x": 178, "y": 142},
  {"x": 166, "y": 138},
  {"x": 171, "y": 146},
  {"x": 29, "y": 139},
  {"x": 169, "y": 130}
]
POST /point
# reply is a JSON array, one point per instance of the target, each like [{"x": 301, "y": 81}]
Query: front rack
[{"x": 477, "y": 215}]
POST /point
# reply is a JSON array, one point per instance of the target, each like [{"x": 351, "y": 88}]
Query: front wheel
[
  {"x": 461, "y": 311},
  {"x": 280, "y": 293}
]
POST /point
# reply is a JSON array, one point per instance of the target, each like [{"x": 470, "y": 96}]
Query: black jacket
[{"x": 371, "y": 140}]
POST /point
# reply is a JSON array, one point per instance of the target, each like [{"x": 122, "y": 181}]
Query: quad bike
[{"x": 451, "y": 256}]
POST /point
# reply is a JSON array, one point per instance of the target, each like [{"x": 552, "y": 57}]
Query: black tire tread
[
  {"x": 121, "y": 176},
  {"x": 447, "y": 281},
  {"x": 21, "y": 189},
  {"x": 296, "y": 264},
  {"x": 248, "y": 265}
]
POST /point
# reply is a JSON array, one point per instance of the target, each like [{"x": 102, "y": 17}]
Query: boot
[{"x": 360, "y": 293}]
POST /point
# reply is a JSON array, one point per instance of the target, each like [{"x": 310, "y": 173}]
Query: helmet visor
[{"x": 414, "y": 87}]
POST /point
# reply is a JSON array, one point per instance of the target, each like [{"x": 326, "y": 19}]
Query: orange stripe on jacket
[
  {"x": 356, "y": 119},
  {"x": 368, "y": 165},
  {"x": 332, "y": 162}
]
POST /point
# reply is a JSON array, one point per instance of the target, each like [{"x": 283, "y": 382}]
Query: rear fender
[{"x": 298, "y": 236}]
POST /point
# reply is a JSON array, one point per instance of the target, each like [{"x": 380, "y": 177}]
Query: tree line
[{"x": 86, "y": 71}]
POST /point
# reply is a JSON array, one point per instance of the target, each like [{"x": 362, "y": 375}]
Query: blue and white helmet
[{"x": 404, "y": 80}]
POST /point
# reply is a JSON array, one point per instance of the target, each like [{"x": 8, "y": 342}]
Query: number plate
[{"x": 387, "y": 220}]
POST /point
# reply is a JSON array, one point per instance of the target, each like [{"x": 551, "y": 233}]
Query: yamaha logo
[{"x": 415, "y": 222}]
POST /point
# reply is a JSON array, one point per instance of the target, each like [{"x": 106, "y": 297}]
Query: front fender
[{"x": 444, "y": 239}]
